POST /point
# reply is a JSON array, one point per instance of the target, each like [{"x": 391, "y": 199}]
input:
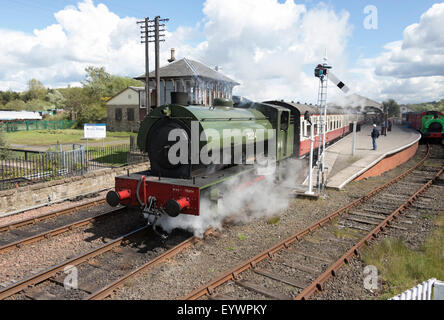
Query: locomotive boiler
[{"x": 175, "y": 138}]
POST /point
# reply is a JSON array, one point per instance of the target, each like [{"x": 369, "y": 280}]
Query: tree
[
  {"x": 16, "y": 105},
  {"x": 392, "y": 108},
  {"x": 36, "y": 90},
  {"x": 38, "y": 105},
  {"x": 96, "y": 82},
  {"x": 6, "y": 96},
  {"x": 120, "y": 83},
  {"x": 56, "y": 98},
  {"x": 3, "y": 144},
  {"x": 92, "y": 113},
  {"x": 75, "y": 98},
  {"x": 100, "y": 84}
]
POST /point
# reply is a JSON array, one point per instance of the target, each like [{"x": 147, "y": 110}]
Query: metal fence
[
  {"x": 20, "y": 171},
  {"x": 428, "y": 290},
  {"x": 28, "y": 125}
]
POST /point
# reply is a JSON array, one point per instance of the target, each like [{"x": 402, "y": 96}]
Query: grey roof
[
  {"x": 313, "y": 109},
  {"x": 186, "y": 68},
  {"x": 137, "y": 88}
]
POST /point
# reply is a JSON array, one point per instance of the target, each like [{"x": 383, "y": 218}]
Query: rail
[{"x": 233, "y": 274}]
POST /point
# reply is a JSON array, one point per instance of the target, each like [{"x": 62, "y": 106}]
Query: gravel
[
  {"x": 348, "y": 284},
  {"x": 197, "y": 265},
  {"x": 34, "y": 258},
  {"x": 203, "y": 262},
  {"x": 50, "y": 208}
]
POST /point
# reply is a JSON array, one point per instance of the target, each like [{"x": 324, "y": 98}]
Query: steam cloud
[{"x": 261, "y": 199}]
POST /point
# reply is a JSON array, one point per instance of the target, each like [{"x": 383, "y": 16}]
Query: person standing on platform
[
  {"x": 383, "y": 128},
  {"x": 375, "y": 135},
  {"x": 390, "y": 125}
]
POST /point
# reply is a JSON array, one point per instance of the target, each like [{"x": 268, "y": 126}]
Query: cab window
[{"x": 284, "y": 120}]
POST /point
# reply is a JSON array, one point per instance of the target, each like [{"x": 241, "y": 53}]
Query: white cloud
[
  {"x": 264, "y": 44},
  {"x": 58, "y": 54},
  {"x": 269, "y": 47},
  {"x": 412, "y": 69}
]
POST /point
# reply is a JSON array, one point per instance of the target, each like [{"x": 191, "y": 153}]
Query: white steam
[
  {"x": 353, "y": 101},
  {"x": 244, "y": 203}
]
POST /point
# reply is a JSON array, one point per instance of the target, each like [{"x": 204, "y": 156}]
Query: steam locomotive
[
  {"x": 275, "y": 129},
  {"x": 429, "y": 123}
]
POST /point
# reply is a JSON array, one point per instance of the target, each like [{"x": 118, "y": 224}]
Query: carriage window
[{"x": 284, "y": 120}]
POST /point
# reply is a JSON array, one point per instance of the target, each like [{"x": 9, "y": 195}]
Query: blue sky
[
  {"x": 394, "y": 16},
  {"x": 361, "y": 48}
]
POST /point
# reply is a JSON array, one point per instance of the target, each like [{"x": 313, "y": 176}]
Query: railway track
[
  {"x": 300, "y": 265},
  {"x": 103, "y": 270},
  {"x": 106, "y": 291},
  {"x": 54, "y": 214},
  {"x": 18, "y": 234},
  {"x": 113, "y": 262}
]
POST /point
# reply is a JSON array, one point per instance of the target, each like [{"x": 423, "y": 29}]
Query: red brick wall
[{"x": 390, "y": 162}]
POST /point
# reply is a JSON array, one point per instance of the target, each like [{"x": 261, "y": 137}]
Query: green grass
[
  {"x": 402, "y": 268},
  {"x": 347, "y": 233},
  {"x": 48, "y": 137},
  {"x": 274, "y": 220},
  {"x": 241, "y": 237}
]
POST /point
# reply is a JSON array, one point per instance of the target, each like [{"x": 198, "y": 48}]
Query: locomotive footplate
[{"x": 156, "y": 195}]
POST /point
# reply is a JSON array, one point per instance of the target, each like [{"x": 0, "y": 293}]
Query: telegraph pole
[
  {"x": 151, "y": 32},
  {"x": 159, "y": 36},
  {"x": 144, "y": 31},
  {"x": 157, "y": 49}
]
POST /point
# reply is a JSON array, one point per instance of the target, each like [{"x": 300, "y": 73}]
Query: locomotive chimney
[{"x": 173, "y": 58}]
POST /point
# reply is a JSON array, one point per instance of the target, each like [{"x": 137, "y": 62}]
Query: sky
[{"x": 380, "y": 49}]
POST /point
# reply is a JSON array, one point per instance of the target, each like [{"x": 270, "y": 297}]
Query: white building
[{"x": 202, "y": 83}]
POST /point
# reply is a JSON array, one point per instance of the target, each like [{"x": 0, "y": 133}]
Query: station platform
[{"x": 397, "y": 147}]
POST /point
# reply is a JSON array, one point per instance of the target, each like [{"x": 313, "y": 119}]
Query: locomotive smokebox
[{"x": 180, "y": 98}]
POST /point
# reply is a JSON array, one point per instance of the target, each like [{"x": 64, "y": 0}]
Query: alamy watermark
[
  {"x": 371, "y": 278},
  {"x": 231, "y": 146},
  {"x": 71, "y": 280},
  {"x": 371, "y": 20}
]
